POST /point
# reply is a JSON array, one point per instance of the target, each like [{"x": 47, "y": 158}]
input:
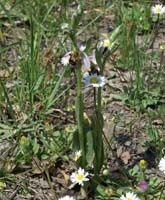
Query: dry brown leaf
[
  {"x": 125, "y": 156},
  {"x": 5, "y": 73},
  {"x": 66, "y": 177}
]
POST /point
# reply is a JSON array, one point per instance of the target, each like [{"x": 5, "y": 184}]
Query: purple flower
[{"x": 143, "y": 186}]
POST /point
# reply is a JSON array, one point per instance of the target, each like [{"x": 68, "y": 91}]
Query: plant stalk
[{"x": 79, "y": 113}]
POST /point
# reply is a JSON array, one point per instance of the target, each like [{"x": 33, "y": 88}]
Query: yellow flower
[
  {"x": 23, "y": 140},
  {"x": 2, "y": 185},
  {"x": 106, "y": 43},
  {"x": 143, "y": 164}
]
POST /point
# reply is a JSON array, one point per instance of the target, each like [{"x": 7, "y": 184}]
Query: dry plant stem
[
  {"x": 10, "y": 108},
  {"x": 99, "y": 111},
  {"x": 47, "y": 178},
  {"x": 109, "y": 145},
  {"x": 84, "y": 192},
  {"x": 156, "y": 27},
  {"x": 50, "y": 184},
  {"x": 3, "y": 197},
  {"x": 118, "y": 72},
  {"x": 14, "y": 193},
  {"x": 160, "y": 66},
  {"x": 155, "y": 32}
]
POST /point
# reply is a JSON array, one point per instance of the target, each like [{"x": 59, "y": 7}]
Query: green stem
[
  {"x": 79, "y": 113},
  {"x": 99, "y": 100},
  {"x": 94, "y": 98}
]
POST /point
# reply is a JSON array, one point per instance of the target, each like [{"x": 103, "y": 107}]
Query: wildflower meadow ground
[{"x": 82, "y": 97}]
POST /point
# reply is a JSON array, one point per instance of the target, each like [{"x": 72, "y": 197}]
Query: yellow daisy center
[
  {"x": 158, "y": 10},
  {"x": 75, "y": 157},
  {"x": 94, "y": 80},
  {"x": 80, "y": 177},
  {"x": 129, "y": 198},
  {"x": 106, "y": 43}
]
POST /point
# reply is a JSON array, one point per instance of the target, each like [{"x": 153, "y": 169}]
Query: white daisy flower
[
  {"x": 66, "y": 198},
  {"x": 129, "y": 196},
  {"x": 93, "y": 80},
  {"x": 65, "y": 58},
  {"x": 158, "y": 9},
  {"x": 76, "y": 155},
  {"x": 162, "y": 165},
  {"x": 79, "y": 177}
]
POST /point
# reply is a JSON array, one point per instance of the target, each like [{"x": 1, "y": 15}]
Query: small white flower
[
  {"x": 85, "y": 62},
  {"x": 106, "y": 43},
  {"x": 82, "y": 47},
  {"x": 65, "y": 59},
  {"x": 158, "y": 9},
  {"x": 162, "y": 165},
  {"x": 79, "y": 177},
  {"x": 94, "y": 80},
  {"x": 92, "y": 57},
  {"x": 66, "y": 198},
  {"x": 129, "y": 196},
  {"x": 76, "y": 155},
  {"x": 64, "y": 26}
]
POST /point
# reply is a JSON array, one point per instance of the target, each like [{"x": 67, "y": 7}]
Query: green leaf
[
  {"x": 7, "y": 132},
  {"x": 55, "y": 90},
  {"x": 39, "y": 82},
  {"x": 36, "y": 147},
  {"x": 97, "y": 125},
  {"x": 121, "y": 97},
  {"x": 89, "y": 148},
  {"x": 134, "y": 170},
  {"x": 101, "y": 190},
  {"x": 76, "y": 143},
  {"x": 115, "y": 34},
  {"x": 98, "y": 57}
]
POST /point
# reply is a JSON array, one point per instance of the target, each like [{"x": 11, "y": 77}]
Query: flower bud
[
  {"x": 143, "y": 164},
  {"x": 142, "y": 186},
  {"x": 106, "y": 172}
]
